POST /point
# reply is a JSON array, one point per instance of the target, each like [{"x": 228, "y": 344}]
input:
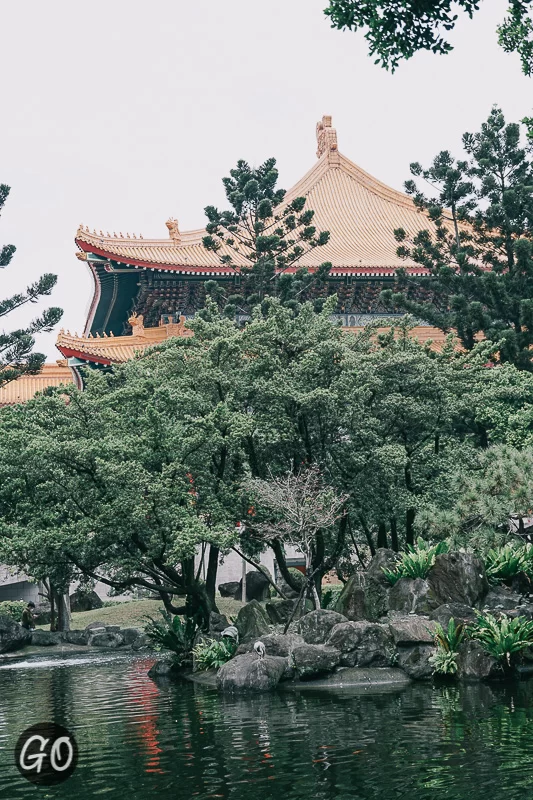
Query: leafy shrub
[
  {"x": 503, "y": 563},
  {"x": 415, "y": 562},
  {"x": 444, "y": 661},
  {"x": 330, "y": 596},
  {"x": 172, "y": 634},
  {"x": 12, "y": 609},
  {"x": 503, "y": 638},
  {"x": 212, "y": 654}
]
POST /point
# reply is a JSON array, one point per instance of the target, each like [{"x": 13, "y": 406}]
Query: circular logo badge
[{"x": 46, "y": 754}]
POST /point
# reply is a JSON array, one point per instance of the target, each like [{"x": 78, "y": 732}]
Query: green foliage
[
  {"x": 504, "y": 563},
  {"x": 397, "y": 29},
  {"x": 12, "y": 609},
  {"x": 503, "y": 638},
  {"x": 444, "y": 662},
  {"x": 172, "y": 633},
  {"x": 450, "y": 638},
  {"x": 212, "y": 654},
  {"x": 416, "y": 562},
  {"x": 261, "y": 238},
  {"x": 330, "y": 596}
]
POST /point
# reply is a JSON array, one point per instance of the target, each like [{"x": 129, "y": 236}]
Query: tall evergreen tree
[
  {"x": 16, "y": 356},
  {"x": 479, "y": 254},
  {"x": 263, "y": 239},
  {"x": 397, "y": 29}
]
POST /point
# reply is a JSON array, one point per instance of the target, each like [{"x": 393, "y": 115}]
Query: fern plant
[
  {"x": 416, "y": 561},
  {"x": 212, "y": 654},
  {"x": 504, "y": 563},
  {"x": 330, "y": 596},
  {"x": 173, "y": 634},
  {"x": 503, "y": 638},
  {"x": 444, "y": 661}
]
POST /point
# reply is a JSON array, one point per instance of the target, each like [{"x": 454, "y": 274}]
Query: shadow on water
[{"x": 138, "y": 739}]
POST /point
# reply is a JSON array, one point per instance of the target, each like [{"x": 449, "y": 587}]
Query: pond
[{"x": 138, "y": 739}]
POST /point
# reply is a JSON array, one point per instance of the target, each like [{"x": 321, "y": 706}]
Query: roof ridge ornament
[
  {"x": 173, "y": 229},
  {"x": 326, "y": 137}
]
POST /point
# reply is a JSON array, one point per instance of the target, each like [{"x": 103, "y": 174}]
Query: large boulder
[
  {"x": 229, "y": 589},
  {"x": 316, "y": 626},
  {"x": 109, "y": 640},
  {"x": 279, "y": 611},
  {"x": 313, "y": 660},
  {"x": 415, "y": 661},
  {"x": 130, "y": 635},
  {"x": 458, "y": 578},
  {"x": 474, "y": 663},
  {"x": 12, "y": 635},
  {"x": 412, "y": 596},
  {"x": 257, "y": 587},
  {"x": 500, "y": 598},
  {"x": 249, "y": 673},
  {"x": 46, "y": 638},
  {"x": 351, "y": 601},
  {"x": 217, "y": 622},
  {"x": 377, "y": 587},
  {"x": 84, "y": 601},
  {"x": 362, "y": 644},
  {"x": 275, "y": 644},
  {"x": 411, "y": 630},
  {"x": 461, "y": 614},
  {"x": 96, "y": 624},
  {"x": 77, "y": 637},
  {"x": 165, "y": 668},
  {"x": 252, "y": 622}
]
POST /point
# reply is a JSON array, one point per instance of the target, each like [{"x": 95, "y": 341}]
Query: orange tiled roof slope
[
  {"x": 358, "y": 210},
  {"x": 27, "y": 386},
  {"x": 423, "y": 333},
  {"x": 117, "y": 349}
]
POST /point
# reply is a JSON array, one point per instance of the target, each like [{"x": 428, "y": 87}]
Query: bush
[
  {"x": 444, "y": 662},
  {"x": 12, "y": 609},
  {"x": 330, "y": 596},
  {"x": 504, "y": 639},
  {"x": 212, "y": 654},
  {"x": 504, "y": 563},
  {"x": 173, "y": 634},
  {"x": 416, "y": 562}
]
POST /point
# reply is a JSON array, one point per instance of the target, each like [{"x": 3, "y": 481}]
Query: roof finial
[
  {"x": 326, "y": 137},
  {"x": 173, "y": 229}
]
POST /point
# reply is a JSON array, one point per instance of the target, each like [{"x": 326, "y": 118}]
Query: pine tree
[
  {"x": 262, "y": 239},
  {"x": 16, "y": 356},
  {"x": 397, "y": 29},
  {"x": 479, "y": 254}
]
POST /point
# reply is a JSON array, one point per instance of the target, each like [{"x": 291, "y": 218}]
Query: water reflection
[{"x": 142, "y": 740}]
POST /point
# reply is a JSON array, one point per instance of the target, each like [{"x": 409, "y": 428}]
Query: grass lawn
[{"x": 132, "y": 613}]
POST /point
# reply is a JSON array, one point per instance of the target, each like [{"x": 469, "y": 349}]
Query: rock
[
  {"x": 474, "y": 663},
  {"x": 351, "y": 601},
  {"x": 362, "y": 644},
  {"x": 141, "y": 643},
  {"x": 275, "y": 644},
  {"x": 229, "y": 589},
  {"x": 248, "y": 673},
  {"x": 377, "y": 587},
  {"x": 252, "y": 622},
  {"x": 93, "y": 625},
  {"x": 411, "y": 596},
  {"x": 316, "y": 626},
  {"x": 409, "y": 630},
  {"x": 279, "y": 611},
  {"x": 464, "y": 615},
  {"x": 112, "y": 628},
  {"x": 217, "y": 622},
  {"x": 84, "y": 601},
  {"x": 110, "y": 640},
  {"x": 500, "y": 598},
  {"x": 415, "y": 661},
  {"x": 94, "y": 631},
  {"x": 257, "y": 587},
  {"x": 130, "y": 635},
  {"x": 46, "y": 638},
  {"x": 164, "y": 669},
  {"x": 458, "y": 578},
  {"x": 78, "y": 637},
  {"x": 12, "y": 635},
  {"x": 310, "y": 660},
  {"x": 521, "y": 584}
]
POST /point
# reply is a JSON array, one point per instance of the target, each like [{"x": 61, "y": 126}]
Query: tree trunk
[
  {"x": 63, "y": 612},
  {"x": 394, "y": 534},
  {"x": 409, "y": 526},
  {"x": 211, "y": 577},
  {"x": 382, "y": 535}
]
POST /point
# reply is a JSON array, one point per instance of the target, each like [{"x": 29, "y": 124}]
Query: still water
[{"x": 178, "y": 742}]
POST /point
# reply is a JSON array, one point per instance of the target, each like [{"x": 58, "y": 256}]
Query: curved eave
[{"x": 83, "y": 356}]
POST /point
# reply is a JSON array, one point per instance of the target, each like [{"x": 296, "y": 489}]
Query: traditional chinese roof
[
  {"x": 27, "y": 386},
  {"x": 358, "y": 210},
  {"x": 107, "y": 350}
]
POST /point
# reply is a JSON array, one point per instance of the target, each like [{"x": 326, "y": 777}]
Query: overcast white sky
[{"x": 121, "y": 113}]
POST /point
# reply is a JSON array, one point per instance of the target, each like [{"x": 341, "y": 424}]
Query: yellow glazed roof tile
[{"x": 27, "y": 386}]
